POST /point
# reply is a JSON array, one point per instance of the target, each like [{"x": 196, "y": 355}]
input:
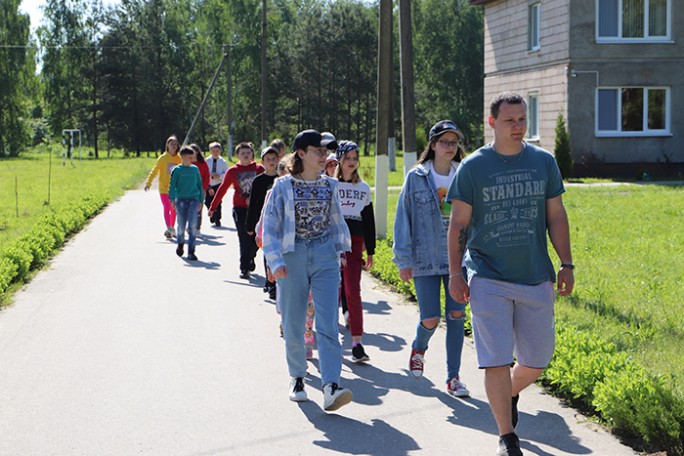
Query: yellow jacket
[{"x": 165, "y": 163}]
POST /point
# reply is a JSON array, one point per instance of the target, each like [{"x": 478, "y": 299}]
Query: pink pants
[
  {"x": 352, "y": 285},
  {"x": 169, "y": 212}
]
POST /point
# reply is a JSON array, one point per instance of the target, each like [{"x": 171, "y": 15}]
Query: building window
[
  {"x": 533, "y": 116},
  {"x": 633, "y": 20},
  {"x": 534, "y": 25},
  {"x": 633, "y": 111}
]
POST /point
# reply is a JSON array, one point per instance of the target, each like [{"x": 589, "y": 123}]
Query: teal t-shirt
[
  {"x": 186, "y": 183},
  {"x": 507, "y": 235}
]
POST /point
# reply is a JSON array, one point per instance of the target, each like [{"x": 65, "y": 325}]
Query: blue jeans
[
  {"x": 186, "y": 214},
  {"x": 427, "y": 292},
  {"x": 314, "y": 265}
]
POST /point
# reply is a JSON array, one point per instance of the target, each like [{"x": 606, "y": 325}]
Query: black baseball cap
[
  {"x": 328, "y": 140},
  {"x": 307, "y": 138},
  {"x": 442, "y": 127}
]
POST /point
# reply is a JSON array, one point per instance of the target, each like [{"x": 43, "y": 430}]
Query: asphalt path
[{"x": 120, "y": 347}]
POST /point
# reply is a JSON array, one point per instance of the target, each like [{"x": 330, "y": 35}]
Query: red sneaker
[{"x": 416, "y": 363}]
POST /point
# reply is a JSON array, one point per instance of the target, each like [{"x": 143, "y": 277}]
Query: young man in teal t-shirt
[
  {"x": 504, "y": 198},
  {"x": 185, "y": 193}
]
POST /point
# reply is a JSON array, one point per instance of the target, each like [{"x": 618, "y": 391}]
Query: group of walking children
[{"x": 316, "y": 221}]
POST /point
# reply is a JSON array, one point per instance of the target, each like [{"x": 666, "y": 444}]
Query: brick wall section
[{"x": 506, "y": 32}]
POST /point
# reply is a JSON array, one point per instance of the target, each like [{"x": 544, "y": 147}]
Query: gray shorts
[{"x": 512, "y": 320}]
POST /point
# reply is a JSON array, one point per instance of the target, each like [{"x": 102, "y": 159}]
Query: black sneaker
[
  {"x": 514, "y": 410},
  {"x": 179, "y": 250},
  {"x": 509, "y": 445},
  {"x": 192, "y": 256},
  {"x": 244, "y": 274},
  {"x": 252, "y": 266},
  {"x": 359, "y": 354},
  {"x": 272, "y": 293},
  {"x": 217, "y": 223}
]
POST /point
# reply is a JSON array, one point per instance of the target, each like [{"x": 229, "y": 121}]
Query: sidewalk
[{"x": 122, "y": 348}]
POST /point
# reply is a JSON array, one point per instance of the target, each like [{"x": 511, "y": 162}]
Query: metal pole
[
  {"x": 229, "y": 103},
  {"x": 204, "y": 101}
]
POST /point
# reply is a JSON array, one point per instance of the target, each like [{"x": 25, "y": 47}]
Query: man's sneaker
[
  {"x": 217, "y": 223},
  {"x": 179, "y": 250},
  {"x": 509, "y": 445},
  {"x": 335, "y": 397},
  {"x": 192, "y": 256},
  {"x": 244, "y": 274},
  {"x": 456, "y": 388},
  {"x": 297, "y": 393},
  {"x": 359, "y": 354},
  {"x": 173, "y": 231},
  {"x": 514, "y": 410},
  {"x": 416, "y": 363},
  {"x": 252, "y": 266},
  {"x": 167, "y": 234},
  {"x": 272, "y": 293}
]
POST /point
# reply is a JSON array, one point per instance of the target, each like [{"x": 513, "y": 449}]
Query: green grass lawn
[
  {"x": 628, "y": 245},
  {"x": 25, "y": 190}
]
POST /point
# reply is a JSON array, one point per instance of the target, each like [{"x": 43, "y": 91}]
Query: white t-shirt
[
  {"x": 354, "y": 198},
  {"x": 442, "y": 184}
]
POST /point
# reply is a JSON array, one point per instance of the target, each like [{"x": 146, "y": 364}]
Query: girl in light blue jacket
[
  {"x": 420, "y": 248},
  {"x": 304, "y": 235}
]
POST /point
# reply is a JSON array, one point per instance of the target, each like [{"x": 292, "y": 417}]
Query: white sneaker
[
  {"x": 167, "y": 234},
  {"x": 297, "y": 393},
  {"x": 335, "y": 397},
  {"x": 456, "y": 388}
]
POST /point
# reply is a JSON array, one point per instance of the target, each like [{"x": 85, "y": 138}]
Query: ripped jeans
[{"x": 428, "y": 294}]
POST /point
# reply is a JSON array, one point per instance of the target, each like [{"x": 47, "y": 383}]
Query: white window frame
[
  {"x": 646, "y": 38},
  {"x": 645, "y": 132},
  {"x": 533, "y": 123},
  {"x": 534, "y": 27}
]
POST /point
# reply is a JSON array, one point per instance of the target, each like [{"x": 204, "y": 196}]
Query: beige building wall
[
  {"x": 506, "y": 35},
  {"x": 550, "y": 84}
]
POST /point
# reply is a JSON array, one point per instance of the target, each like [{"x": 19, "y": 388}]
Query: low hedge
[
  {"x": 606, "y": 382},
  {"x": 594, "y": 376},
  {"x": 34, "y": 248}
]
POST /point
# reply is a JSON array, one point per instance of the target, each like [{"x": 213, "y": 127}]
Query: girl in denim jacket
[
  {"x": 420, "y": 248},
  {"x": 304, "y": 234}
]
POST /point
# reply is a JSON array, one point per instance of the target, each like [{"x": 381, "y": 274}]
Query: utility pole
[
  {"x": 229, "y": 102},
  {"x": 408, "y": 102},
  {"x": 382, "y": 122},
  {"x": 264, "y": 98},
  {"x": 391, "y": 130}
]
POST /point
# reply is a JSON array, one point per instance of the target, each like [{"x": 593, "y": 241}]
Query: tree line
[{"x": 131, "y": 74}]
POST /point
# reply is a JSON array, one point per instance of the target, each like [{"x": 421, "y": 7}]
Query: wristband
[{"x": 567, "y": 265}]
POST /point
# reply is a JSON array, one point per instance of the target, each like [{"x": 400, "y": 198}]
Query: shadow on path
[{"x": 349, "y": 436}]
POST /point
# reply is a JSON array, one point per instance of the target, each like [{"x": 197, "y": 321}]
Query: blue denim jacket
[{"x": 420, "y": 235}]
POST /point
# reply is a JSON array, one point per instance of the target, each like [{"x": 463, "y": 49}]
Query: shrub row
[
  {"x": 594, "y": 376},
  {"x": 33, "y": 248},
  {"x": 602, "y": 380}
]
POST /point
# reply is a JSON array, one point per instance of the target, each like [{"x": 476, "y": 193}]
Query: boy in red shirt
[{"x": 240, "y": 176}]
